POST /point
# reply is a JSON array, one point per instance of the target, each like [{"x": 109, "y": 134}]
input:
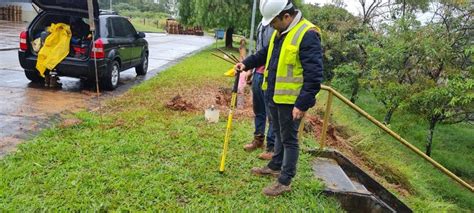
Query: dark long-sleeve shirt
[{"x": 311, "y": 58}]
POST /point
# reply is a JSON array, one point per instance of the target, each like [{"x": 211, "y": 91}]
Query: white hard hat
[{"x": 271, "y": 8}]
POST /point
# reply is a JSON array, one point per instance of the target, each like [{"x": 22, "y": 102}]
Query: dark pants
[
  {"x": 260, "y": 109},
  {"x": 286, "y": 141}
]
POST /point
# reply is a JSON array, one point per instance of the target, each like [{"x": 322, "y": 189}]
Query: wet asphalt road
[{"x": 26, "y": 108}]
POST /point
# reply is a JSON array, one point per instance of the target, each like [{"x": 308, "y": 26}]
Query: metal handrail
[{"x": 332, "y": 92}]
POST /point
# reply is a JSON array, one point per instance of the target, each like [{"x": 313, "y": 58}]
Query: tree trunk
[
  {"x": 228, "y": 37},
  {"x": 404, "y": 6},
  {"x": 355, "y": 91},
  {"x": 363, "y": 63},
  {"x": 388, "y": 116},
  {"x": 433, "y": 122}
]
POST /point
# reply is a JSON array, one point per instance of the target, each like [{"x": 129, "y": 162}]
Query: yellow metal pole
[
  {"x": 322, "y": 143},
  {"x": 396, "y": 136},
  {"x": 227, "y": 133},
  {"x": 233, "y": 104}
]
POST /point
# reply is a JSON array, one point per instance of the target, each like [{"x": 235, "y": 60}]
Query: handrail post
[{"x": 326, "y": 121}]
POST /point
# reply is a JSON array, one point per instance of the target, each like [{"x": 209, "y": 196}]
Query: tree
[
  {"x": 171, "y": 7},
  {"x": 370, "y": 9},
  {"x": 124, "y": 6},
  {"x": 339, "y": 32},
  {"x": 448, "y": 96},
  {"x": 451, "y": 102},
  {"x": 142, "y": 5},
  {"x": 338, "y": 3},
  {"x": 404, "y": 7},
  {"x": 186, "y": 11},
  {"x": 233, "y": 15},
  {"x": 217, "y": 13},
  {"x": 392, "y": 64}
]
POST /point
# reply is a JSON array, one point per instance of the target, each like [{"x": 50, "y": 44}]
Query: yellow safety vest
[{"x": 289, "y": 74}]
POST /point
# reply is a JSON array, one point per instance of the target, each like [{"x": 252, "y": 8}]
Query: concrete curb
[{"x": 7, "y": 49}]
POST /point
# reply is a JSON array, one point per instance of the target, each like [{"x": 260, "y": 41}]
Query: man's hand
[
  {"x": 297, "y": 113},
  {"x": 239, "y": 67}
]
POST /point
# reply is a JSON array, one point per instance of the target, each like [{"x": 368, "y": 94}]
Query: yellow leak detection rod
[{"x": 233, "y": 104}]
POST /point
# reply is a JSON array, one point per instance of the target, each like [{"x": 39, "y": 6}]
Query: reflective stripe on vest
[{"x": 289, "y": 76}]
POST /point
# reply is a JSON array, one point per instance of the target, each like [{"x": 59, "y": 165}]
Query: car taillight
[
  {"x": 23, "y": 39},
  {"x": 98, "y": 49}
]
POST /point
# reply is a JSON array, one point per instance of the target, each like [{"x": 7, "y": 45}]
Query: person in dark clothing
[
  {"x": 292, "y": 78},
  {"x": 260, "y": 106}
]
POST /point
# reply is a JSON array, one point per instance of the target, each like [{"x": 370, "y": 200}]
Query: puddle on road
[
  {"x": 26, "y": 108},
  {"x": 38, "y": 102}
]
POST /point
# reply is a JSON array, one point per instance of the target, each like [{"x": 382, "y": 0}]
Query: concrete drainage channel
[{"x": 355, "y": 190}]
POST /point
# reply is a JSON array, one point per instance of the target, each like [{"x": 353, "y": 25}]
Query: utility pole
[
  {"x": 252, "y": 26},
  {"x": 110, "y": 5}
]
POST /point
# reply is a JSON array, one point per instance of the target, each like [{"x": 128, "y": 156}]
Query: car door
[
  {"x": 122, "y": 41},
  {"x": 137, "y": 42}
]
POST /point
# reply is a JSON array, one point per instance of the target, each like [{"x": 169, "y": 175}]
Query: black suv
[{"x": 117, "y": 44}]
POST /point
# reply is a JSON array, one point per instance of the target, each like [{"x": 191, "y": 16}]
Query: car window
[
  {"x": 123, "y": 28},
  {"x": 107, "y": 30},
  {"x": 128, "y": 27}
]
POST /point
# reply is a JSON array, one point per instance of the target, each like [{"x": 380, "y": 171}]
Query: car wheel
[
  {"x": 111, "y": 78},
  {"x": 142, "y": 68},
  {"x": 34, "y": 76}
]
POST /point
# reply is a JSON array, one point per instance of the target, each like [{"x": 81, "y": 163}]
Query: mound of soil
[
  {"x": 177, "y": 103},
  {"x": 221, "y": 97},
  {"x": 224, "y": 96},
  {"x": 334, "y": 136}
]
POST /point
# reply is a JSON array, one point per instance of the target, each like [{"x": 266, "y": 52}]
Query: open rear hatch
[
  {"x": 71, "y": 12},
  {"x": 72, "y": 7}
]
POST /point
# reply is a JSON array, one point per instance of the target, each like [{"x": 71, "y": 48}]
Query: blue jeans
[
  {"x": 260, "y": 109},
  {"x": 286, "y": 143}
]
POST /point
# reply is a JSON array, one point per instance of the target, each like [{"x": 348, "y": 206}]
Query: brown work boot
[
  {"x": 266, "y": 155},
  {"x": 276, "y": 189},
  {"x": 264, "y": 171},
  {"x": 53, "y": 81},
  {"x": 256, "y": 143},
  {"x": 46, "y": 80}
]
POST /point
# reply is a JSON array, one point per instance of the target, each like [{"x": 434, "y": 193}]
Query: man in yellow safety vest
[{"x": 292, "y": 78}]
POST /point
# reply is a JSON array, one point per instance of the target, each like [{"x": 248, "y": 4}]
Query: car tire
[
  {"x": 142, "y": 68},
  {"x": 34, "y": 76},
  {"x": 112, "y": 76}
]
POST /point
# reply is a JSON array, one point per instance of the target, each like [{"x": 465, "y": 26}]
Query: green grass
[
  {"x": 429, "y": 189},
  {"x": 148, "y": 25},
  {"x": 449, "y": 143},
  {"x": 142, "y": 156}
]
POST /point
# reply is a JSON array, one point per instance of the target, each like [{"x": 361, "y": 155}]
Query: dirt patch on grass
[
  {"x": 177, "y": 103},
  {"x": 70, "y": 122},
  {"x": 224, "y": 96},
  {"x": 220, "y": 98},
  {"x": 338, "y": 138}
]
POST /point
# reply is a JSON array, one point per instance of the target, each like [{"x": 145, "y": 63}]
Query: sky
[{"x": 352, "y": 6}]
